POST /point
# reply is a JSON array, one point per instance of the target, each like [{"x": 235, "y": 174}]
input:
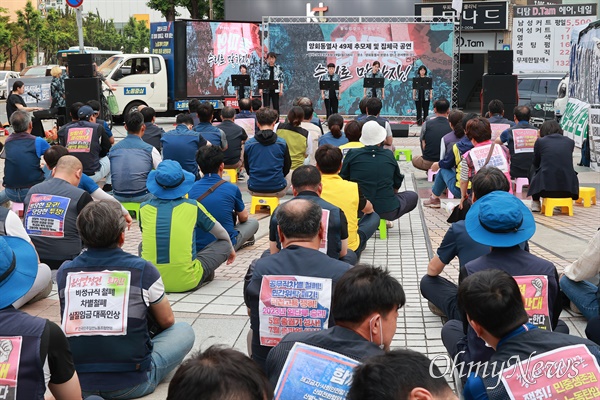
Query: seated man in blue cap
[
  {"x": 26, "y": 340},
  {"x": 168, "y": 225},
  {"x": 502, "y": 221}
]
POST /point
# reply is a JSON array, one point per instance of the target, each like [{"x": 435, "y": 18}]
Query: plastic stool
[
  {"x": 587, "y": 196},
  {"x": 132, "y": 208},
  {"x": 566, "y": 205},
  {"x": 519, "y": 183},
  {"x": 449, "y": 194},
  {"x": 232, "y": 172},
  {"x": 407, "y": 154},
  {"x": 258, "y": 201},
  {"x": 18, "y": 208},
  {"x": 430, "y": 175},
  {"x": 382, "y": 229}
]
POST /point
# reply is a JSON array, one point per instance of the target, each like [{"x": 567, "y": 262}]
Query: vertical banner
[
  {"x": 215, "y": 51},
  {"x": 162, "y": 42},
  {"x": 594, "y": 135},
  {"x": 304, "y": 50},
  {"x": 575, "y": 120}
]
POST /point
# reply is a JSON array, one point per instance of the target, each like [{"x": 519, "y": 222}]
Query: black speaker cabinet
[
  {"x": 80, "y": 65},
  {"x": 503, "y": 88},
  {"x": 399, "y": 130},
  {"x": 500, "y": 62},
  {"x": 82, "y": 90}
]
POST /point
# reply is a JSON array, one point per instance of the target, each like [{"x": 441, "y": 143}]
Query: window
[
  {"x": 155, "y": 65},
  {"x": 526, "y": 84},
  {"x": 548, "y": 86}
]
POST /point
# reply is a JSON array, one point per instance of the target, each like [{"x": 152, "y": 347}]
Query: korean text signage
[
  {"x": 10, "y": 355},
  {"x": 478, "y": 16},
  {"x": 594, "y": 135},
  {"x": 575, "y": 120},
  {"x": 542, "y": 35}
]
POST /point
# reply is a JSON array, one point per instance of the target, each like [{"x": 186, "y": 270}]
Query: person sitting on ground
[
  {"x": 247, "y": 113},
  {"x": 374, "y": 106},
  {"x": 267, "y": 158},
  {"x": 493, "y": 303},
  {"x": 223, "y": 200},
  {"x": 496, "y": 113},
  {"x": 347, "y": 196},
  {"x": 432, "y": 132},
  {"x": 362, "y": 106},
  {"x": 207, "y": 130},
  {"x": 22, "y": 153},
  {"x": 306, "y": 101},
  {"x": 502, "y": 221},
  {"x": 236, "y": 136},
  {"x": 553, "y": 173},
  {"x": 153, "y": 132},
  {"x": 95, "y": 104},
  {"x": 353, "y": 132},
  {"x": 520, "y": 163},
  {"x": 182, "y": 143},
  {"x": 181, "y": 265},
  {"x": 53, "y": 230},
  {"x": 219, "y": 373},
  {"x": 401, "y": 374},
  {"x": 193, "y": 106},
  {"x": 365, "y": 307},
  {"x": 256, "y": 105},
  {"x": 455, "y": 117},
  {"x": 295, "y": 136},
  {"x": 301, "y": 233},
  {"x": 335, "y": 136},
  {"x": 377, "y": 173},
  {"x": 306, "y": 184},
  {"x": 448, "y": 176},
  {"x": 51, "y": 157},
  {"x": 117, "y": 358},
  {"x": 314, "y": 133},
  {"x": 131, "y": 160},
  {"x": 88, "y": 142},
  {"x": 32, "y": 347},
  {"x": 484, "y": 152}
]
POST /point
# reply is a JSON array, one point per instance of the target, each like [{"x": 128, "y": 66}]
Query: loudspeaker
[
  {"x": 500, "y": 62},
  {"x": 503, "y": 88},
  {"x": 80, "y": 65},
  {"x": 82, "y": 90},
  {"x": 399, "y": 130}
]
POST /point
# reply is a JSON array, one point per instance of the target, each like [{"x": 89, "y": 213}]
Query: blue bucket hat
[
  {"x": 499, "y": 219},
  {"x": 18, "y": 269},
  {"x": 169, "y": 181}
]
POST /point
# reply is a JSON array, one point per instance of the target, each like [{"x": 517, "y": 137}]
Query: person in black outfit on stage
[
  {"x": 421, "y": 94},
  {"x": 15, "y": 102}
]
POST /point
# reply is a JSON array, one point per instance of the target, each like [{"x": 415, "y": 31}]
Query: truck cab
[{"x": 139, "y": 79}]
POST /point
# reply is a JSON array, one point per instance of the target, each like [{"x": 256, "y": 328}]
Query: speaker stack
[
  {"x": 499, "y": 83},
  {"x": 81, "y": 86}
]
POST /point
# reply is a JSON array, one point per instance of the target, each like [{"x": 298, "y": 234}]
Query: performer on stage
[
  {"x": 15, "y": 102},
  {"x": 374, "y": 92},
  {"x": 422, "y": 94},
  {"x": 244, "y": 92},
  {"x": 331, "y": 97},
  {"x": 272, "y": 71}
]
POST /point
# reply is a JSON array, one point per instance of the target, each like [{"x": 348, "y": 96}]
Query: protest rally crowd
[{"x": 308, "y": 297}]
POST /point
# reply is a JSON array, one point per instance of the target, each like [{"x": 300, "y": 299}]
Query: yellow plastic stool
[
  {"x": 232, "y": 172},
  {"x": 587, "y": 196},
  {"x": 132, "y": 207},
  {"x": 257, "y": 202},
  {"x": 382, "y": 229},
  {"x": 407, "y": 154},
  {"x": 566, "y": 205}
]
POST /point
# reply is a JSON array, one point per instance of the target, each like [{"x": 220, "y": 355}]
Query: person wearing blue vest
[
  {"x": 153, "y": 132},
  {"x": 495, "y": 310},
  {"x": 182, "y": 143},
  {"x": 267, "y": 158},
  {"x": 206, "y": 129},
  {"x": 520, "y": 163},
  {"x": 95, "y": 104},
  {"x": 115, "y": 313},
  {"x": 131, "y": 160},
  {"x": 22, "y": 159},
  {"x": 193, "y": 110},
  {"x": 496, "y": 112},
  {"x": 29, "y": 343}
]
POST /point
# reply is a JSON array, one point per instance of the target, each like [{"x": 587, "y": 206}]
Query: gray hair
[
  {"x": 299, "y": 218},
  {"x": 101, "y": 223},
  {"x": 228, "y": 112},
  {"x": 20, "y": 120}
]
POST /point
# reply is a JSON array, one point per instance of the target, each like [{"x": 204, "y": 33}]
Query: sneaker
[
  {"x": 434, "y": 309},
  {"x": 433, "y": 202},
  {"x": 389, "y": 224},
  {"x": 242, "y": 176},
  {"x": 249, "y": 243},
  {"x": 536, "y": 206}
]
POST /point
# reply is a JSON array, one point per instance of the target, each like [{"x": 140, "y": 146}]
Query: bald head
[
  {"x": 299, "y": 219},
  {"x": 68, "y": 168}
]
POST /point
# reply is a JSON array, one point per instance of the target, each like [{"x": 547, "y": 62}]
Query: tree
[
  {"x": 101, "y": 33},
  {"x": 59, "y": 32},
  {"x": 166, "y": 7},
  {"x": 136, "y": 36},
  {"x": 31, "y": 20},
  {"x": 5, "y": 37},
  {"x": 199, "y": 9}
]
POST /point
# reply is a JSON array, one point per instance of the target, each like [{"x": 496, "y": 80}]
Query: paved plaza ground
[{"x": 218, "y": 314}]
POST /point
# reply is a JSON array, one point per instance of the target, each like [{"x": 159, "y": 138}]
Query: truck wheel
[{"x": 131, "y": 106}]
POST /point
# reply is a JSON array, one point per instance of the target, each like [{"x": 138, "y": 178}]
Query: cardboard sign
[
  {"x": 10, "y": 356},
  {"x": 566, "y": 373},
  {"x": 79, "y": 139},
  {"x": 325, "y": 223},
  {"x": 45, "y": 215},
  {"x": 479, "y": 155},
  {"x": 497, "y": 130},
  {"x": 524, "y": 140},
  {"x": 314, "y": 373},
  {"x": 96, "y": 303},
  {"x": 534, "y": 289},
  {"x": 292, "y": 304}
]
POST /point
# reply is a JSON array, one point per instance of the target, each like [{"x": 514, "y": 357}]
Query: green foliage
[
  {"x": 136, "y": 36},
  {"x": 199, "y": 9},
  {"x": 31, "y": 20},
  {"x": 5, "y": 36}
]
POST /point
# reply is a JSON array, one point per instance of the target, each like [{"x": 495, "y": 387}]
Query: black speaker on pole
[
  {"x": 503, "y": 88},
  {"x": 500, "y": 62},
  {"x": 82, "y": 90}
]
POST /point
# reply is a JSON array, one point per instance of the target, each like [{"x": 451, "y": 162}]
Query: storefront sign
[
  {"x": 476, "y": 16},
  {"x": 479, "y": 42}
]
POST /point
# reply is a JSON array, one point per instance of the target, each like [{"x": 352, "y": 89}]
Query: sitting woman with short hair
[{"x": 554, "y": 175}]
